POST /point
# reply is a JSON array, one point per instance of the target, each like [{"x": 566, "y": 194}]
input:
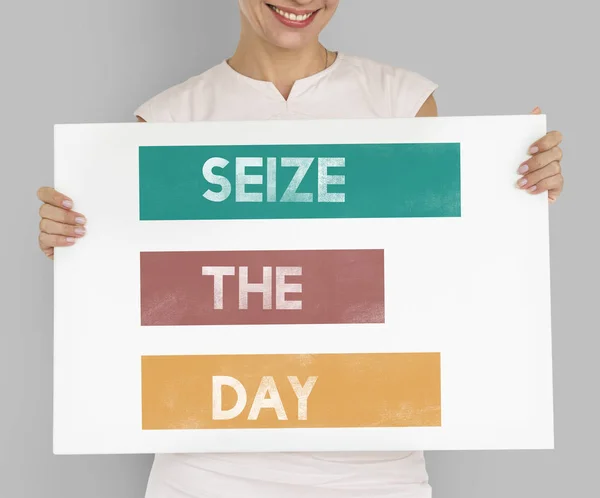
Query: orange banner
[{"x": 291, "y": 391}]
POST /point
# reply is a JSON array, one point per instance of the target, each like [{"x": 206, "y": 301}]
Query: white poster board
[{"x": 302, "y": 286}]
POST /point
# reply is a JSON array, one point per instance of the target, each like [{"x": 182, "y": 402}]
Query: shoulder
[
  {"x": 406, "y": 89},
  {"x": 176, "y": 102}
]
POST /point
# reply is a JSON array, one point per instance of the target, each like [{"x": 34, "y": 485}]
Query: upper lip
[{"x": 293, "y": 11}]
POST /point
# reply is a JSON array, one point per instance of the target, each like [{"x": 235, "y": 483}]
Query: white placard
[{"x": 473, "y": 288}]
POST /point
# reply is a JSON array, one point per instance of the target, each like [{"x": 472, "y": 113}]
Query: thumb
[{"x": 537, "y": 110}]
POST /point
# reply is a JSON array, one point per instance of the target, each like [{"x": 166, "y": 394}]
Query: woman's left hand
[{"x": 543, "y": 172}]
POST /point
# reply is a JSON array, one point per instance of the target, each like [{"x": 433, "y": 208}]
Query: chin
[{"x": 291, "y": 41}]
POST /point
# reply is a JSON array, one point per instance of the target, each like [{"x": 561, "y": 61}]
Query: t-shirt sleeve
[
  {"x": 144, "y": 111},
  {"x": 411, "y": 92},
  {"x": 157, "y": 109}
]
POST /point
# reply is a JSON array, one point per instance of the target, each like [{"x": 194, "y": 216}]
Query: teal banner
[{"x": 299, "y": 181}]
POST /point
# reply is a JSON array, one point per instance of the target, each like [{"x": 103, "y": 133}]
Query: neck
[{"x": 260, "y": 60}]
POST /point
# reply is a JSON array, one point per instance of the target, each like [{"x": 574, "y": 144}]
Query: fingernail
[
  {"x": 522, "y": 182},
  {"x": 534, "y": 149},
  {"x": 79, "y": 230},
  {"x": 80, "y": 220},
  {"x": 524, "y": 168},
  {"x": 67, "y": 204},
  {"x": 532, "y": 189},
  {"x": 70, "y": 240}
]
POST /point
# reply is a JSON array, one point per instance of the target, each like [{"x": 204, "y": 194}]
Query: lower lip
[{"x": 293, "y": 24}]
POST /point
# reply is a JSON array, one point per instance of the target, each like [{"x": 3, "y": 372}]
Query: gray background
[{"x": 90, "y": 61}]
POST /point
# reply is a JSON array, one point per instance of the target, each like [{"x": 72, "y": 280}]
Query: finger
[
  {"x": 49, "y": 252},
  {"x": 538, "y": 175},
  {"x": 554, "y": 192},
  {"x": 48, "y": 240},
  {"x": 553, "y": 183},
  {"x": 537, "y": 110},
  {"x": 56, "y": 228},
  {"x": 551, "y": 139},
  {"x": 541, "y": 160},
  {"x": 50, "y": 196},
  {"x": 61, "y": 215}
]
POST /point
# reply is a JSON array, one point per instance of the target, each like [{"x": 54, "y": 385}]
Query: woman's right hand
[{"x": 60, "y": 226}]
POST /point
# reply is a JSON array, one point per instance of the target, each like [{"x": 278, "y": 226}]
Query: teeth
[{"x": 291, "y": 16}]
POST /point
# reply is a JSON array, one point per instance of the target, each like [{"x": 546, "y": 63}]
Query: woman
[{"x": 281, "y": 71}]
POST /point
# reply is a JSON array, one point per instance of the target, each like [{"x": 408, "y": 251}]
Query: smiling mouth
[{"x": 292, "y": 17}]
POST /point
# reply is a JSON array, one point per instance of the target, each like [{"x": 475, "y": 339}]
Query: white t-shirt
[{"x": 351, "y": 87}]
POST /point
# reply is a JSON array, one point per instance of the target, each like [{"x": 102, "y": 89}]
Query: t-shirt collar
[{"x": 269, "y": 89}]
